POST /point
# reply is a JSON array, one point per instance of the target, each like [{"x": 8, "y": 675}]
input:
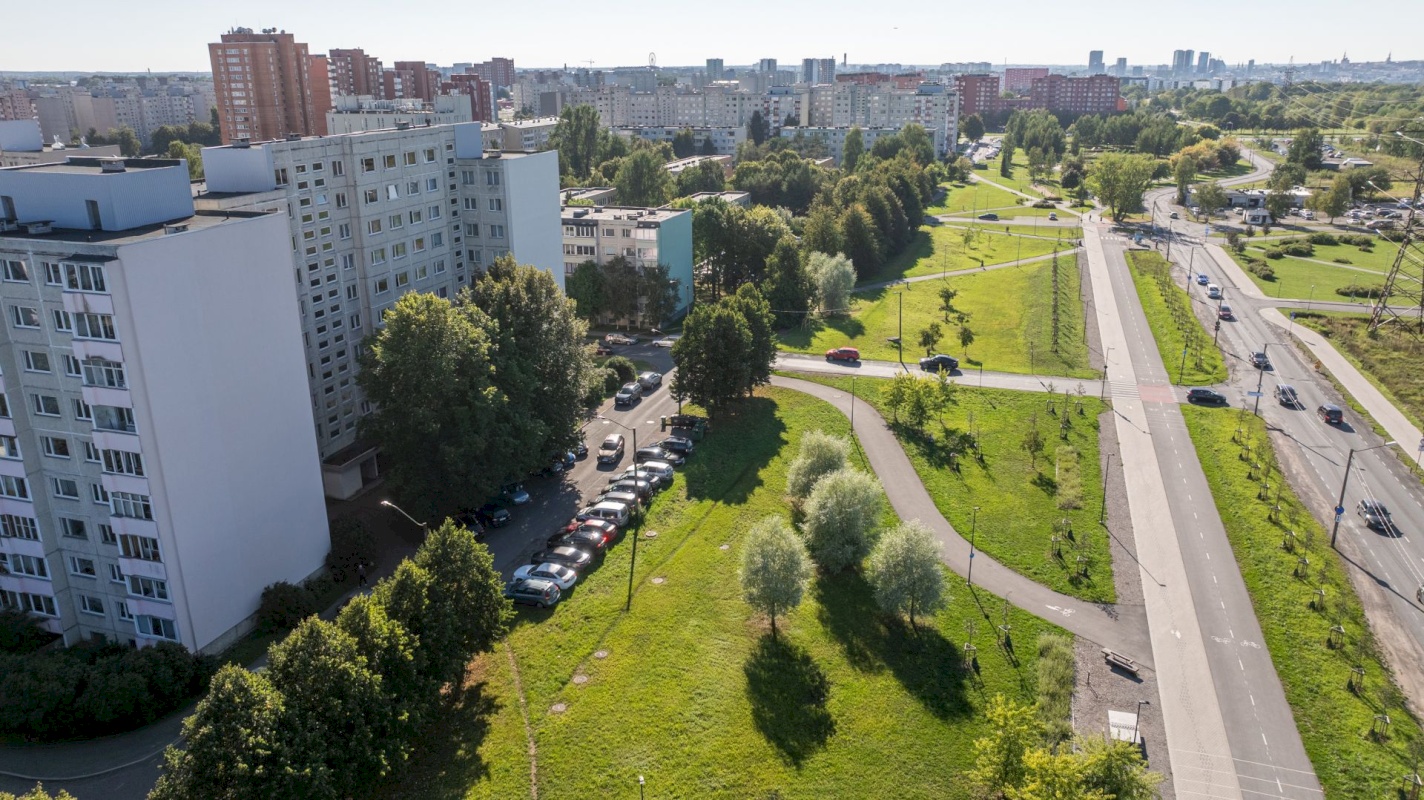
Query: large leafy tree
[
  {"x": 788, "y": 286},
  {"x": 819, "y": 455},
  {"x": 973, "y": 128},
  {"x": 842, "y": 518},
  {"x": 758, "y": 129},
  {"x": 1119, "y": 179},
  {"x": 999, "y": 757},
  {"x": 905, "y": 571},
  {"x": 760, "y": 352},
  {"x": 587, "y": 287},
  {"x": 853, "y": 149},
  {"x": 775, "y": 568},
  {"x": 707, "y": 176},
  {"x": 438, "y": 415},
  {"x": 1184, "y": 171},
  {"x": 389, "y": 650},
  {"x": 734, "y": 242},
  {"x": 684, "y": 143},
  {"x": 642, "y": 181},
  {"x": 861, "y": 240},
  {"x": 540, "y": 361},
  {"x": 834, "y": 277},
  {"x": 579, "y": 139},
  {"x": 822, "y": 231},
  {"x": 713, "y": 357},
  {"x": 1211, "y": 197},
  {"x": 1305, "y": 148}
]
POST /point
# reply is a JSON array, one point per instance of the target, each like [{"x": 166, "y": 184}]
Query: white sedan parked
[{"x": 556, "y": 573}]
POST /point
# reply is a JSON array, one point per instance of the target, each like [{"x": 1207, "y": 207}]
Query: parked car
[
  {"x": 1223, "y": 311},
  {"x": 939, "y": 363},
  {"x": 591, "y": 541},
  {"x": 666, "y": 341},
  {"x": 581, "y": 450},
  {"x": 616, "y": 513},
  {"x": 655, "y": 453},
  {"x": 471, "y": 522},
  {"x": 603, "y": 350},
  {"x": 619, "y": 338},
  {"x": 1286, "y": 396},
  {"x": 611, "y": 451},
  {"x": 643, "y": 489},
  {"x": 662, "y": 469},
  {"x": 678, "y": 444},
  {"x": 1375, "y": 515},
  {"x": 843, "y": 354},
  {"x": 1203, "y": 279},
  {"x": 557, "y": 574},
  {"x": 1206, "y": 396},
  {"x": 615, "y": 495},
  {"x": 602, "y": 527},
  {"x": 1330, "y": 414},
  {"x": 571, "y": 557},
  {"x": 650, "y": 380},
  {"x": 686, "y": 421},
  {"x": 493, "y": 515},
  {"x": 533, "y": 592},
  {"x": 515, "y": 493},
  {"x": 990, "y": 217},
  {"x": 1260, "y": 361},
  {"x": 638, "y": 473},
  {"x": 628, "y": 394}
]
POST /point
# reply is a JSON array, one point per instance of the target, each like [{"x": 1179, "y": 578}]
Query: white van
[
  {"x": 1213, "y": 291},
  {"x": 609, "y": 510}
]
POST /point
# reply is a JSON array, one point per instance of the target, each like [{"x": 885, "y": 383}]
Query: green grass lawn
[
  {"x": 1008, "y": 309},
  {"x": 1241, "y": 167},
  {"x": 1174, "y": 326},
  {"x": 1390, "y": 360},
  {"x": 1019, "y": 179},
  {"x": 1334, "y": 721},
  {"x": 1069, "y": 234},
  {"x": 940, "y": 248},
  {"x": 965, "y": 198},
  {"x": 1018, "y": 501},
  {"x": 1295, "y": 276},
  {"x": 692, "y": 693}
]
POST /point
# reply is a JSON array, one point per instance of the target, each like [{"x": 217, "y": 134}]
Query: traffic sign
[{"x": 1339, "y": 510}]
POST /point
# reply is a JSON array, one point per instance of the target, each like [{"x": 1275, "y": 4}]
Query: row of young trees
[
  {"x": 473, "y": 393},
  {"x": 341, "y": 703}
]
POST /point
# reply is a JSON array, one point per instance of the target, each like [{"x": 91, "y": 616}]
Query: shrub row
[{"x": 1358, "y": 290}]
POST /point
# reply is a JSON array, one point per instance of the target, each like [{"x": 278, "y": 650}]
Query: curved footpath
[{"x": 1122, "y": 628}]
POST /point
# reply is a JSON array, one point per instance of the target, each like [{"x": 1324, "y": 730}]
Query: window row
[{"x": 75, "y": 277}]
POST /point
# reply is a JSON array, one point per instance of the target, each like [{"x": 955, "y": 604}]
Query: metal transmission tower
[{"x": 1404, "y": 285}]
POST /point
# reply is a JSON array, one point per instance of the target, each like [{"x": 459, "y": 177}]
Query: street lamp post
[
  {"x": 852, "y": 405},
  {"x": 1340, "y": 504},
  {"x": 973, "y": 530},
  {"x": 423, "y": 525},
  {"x": 1137, "y": 720},
  {"x": 1310, "y": 299},
  {"x": 1103, "y": 514},
  {"x": 633, "y": 557},
  {"x": 1260, "y": 381},
  {"x": 640, "y": 787},
  {"x": 900, "y": 344}
]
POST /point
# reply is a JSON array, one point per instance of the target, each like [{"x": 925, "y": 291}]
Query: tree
[
  {"x": 437, "y": 418},
  {"x": 834, "y": 278},
  {"x": 733, "y": 243},
  {"x": 1119, "y": 179},
  {"x": 709, "y": 147},
  {"x": 1184, "y": 171},
  {"x": 1116, "y": 769},
  {"x": 129, "y": 144},
  {"x": 1279, "y": 204},
  {"x": 642, "y": 181},
  {"x": 1211, "y": 197},
  {"x": 587, "y": 288},
  {"x": 947, "y": 294},
  {"x": 335, "y": 705},
  {"x": 930, "y": 336},
  {"x": 706, "y": 176},
  {"x": 1013, "y": 730},
  {"x": 861, "y": 240},
  {"x": 683, "y": 143},
  {"x": 1006, "y": 158},
  {"x": 658, "y": 295},
  {"x": 820, "y": 454},
  {"x": 758, "y": 129},
  {"x": 726, "y": 350},
  {"x": 237, "y": 745},
  {"x": 465, "y": 612},
  {"x": 842, "y": 517},
  {"x": 1056, "y": 775},
  {"x": 966, "y": 338},
  {"x": 389, "y": 650},
  {"x": 775, "y": 568},
  {"x": 788, "y": 286},
  {"x": 760, "y": 352},
  {"x": 973, "y": 128},
  {"x": 1334, "y": 201},
  {"x": 37, "y": 793},
  {"x": 577, "y": 139},
  {"x": 852, "y": 149},
  {"x": 1287, "y": 176},
  {"x": 1305, "y": 148},
  {"x": 1033, "y": 442},
  {"x": 1040, "y": 163},
  {"x": 905, "y": 571},
  {"x": 822, "y": 231}
]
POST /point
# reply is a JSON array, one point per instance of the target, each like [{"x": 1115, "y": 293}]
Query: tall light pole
[
  {"x": 1310, "y": 299},
  {"x": 900, "y": 344},
  {"x": 1260, "y": 380},
  {"x": 852, "y": 405},
  {"x": 1103, "y": 514},
  {"x": 1137, "y": 720},
  {"x": 973, "y": 530},
  {"x": 423, "y": 525},
  {"x": 1340, "y": 504},
  {"x": 633, "y": 557}
]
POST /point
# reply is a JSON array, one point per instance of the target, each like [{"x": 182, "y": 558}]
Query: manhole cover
[
  {"x": 601, "y": 654},
  {"x": 558, "y": 708},
  {"x": 725, "y": 547},
  {"x": 650, "y": 535},
  {"x": 580, "y": 679},
  {"x": 658, "y": 580}
]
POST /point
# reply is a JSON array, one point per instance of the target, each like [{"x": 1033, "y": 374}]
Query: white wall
[
  {"x": 126, "y": 200},
  {"x": 535, "y": 226},
  {"x": 214, "y": 358},
  {"x": 239, "y": 169},
  {"x": 20, "y": 134}
]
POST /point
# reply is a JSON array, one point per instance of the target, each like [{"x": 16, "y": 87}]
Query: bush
[
  {"x": 1357, "y": 290},
  {"x": 1323, "y": 239},
  {"x": 1043, "y": 204},
  {"x": 1274, "y": 253},
  {"x": 623, "y": 368},
  {"x": 284, "y": 605},
  {"x": 1056, "y": 675},
  {"x": 1261, "y": 270},
  {"x": 21, "y": 633},
  {"x": 1341, "y": 260},
  {"x": 352, "y": 544},
  {"x": 1296, "y": 247},
  {"x": 1358, "y": 240}
]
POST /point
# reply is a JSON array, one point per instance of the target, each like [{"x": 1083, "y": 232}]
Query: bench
[{"x": 1122, "y": 662}]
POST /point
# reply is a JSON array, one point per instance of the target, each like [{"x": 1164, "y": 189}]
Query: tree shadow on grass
[
  {"x": 728, "y": 463},
  {"x": 927, "y": 664},
  {"x": 788, "y": 694},
  {"x": 447, "y": 762}
]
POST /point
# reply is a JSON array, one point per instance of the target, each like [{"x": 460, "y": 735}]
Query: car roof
[
  {"x": 613, "y": 438},
  {"x": 1329, "y": 407},
  {"x": 611, "y": 504}
]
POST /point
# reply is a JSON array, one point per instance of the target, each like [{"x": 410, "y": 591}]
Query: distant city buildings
[
  {"x": 1095, "y": 62},
  {"x": 265, "y": 86},
  {"x": 1020, "y": 79},
  {"x": 1094, "y": 94}
]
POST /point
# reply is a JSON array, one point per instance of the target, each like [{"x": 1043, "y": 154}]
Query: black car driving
[{"x": 939, "y": 363}]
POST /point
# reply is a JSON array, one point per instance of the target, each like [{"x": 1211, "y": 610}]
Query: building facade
[
  {"x": 358, "y": 114},
  {"x": 157, "y": 465},
  {"x": 265, "y": 88},
  {"x": 834, "y": 137},
  {"x": 1020, "y": 79},
  {"x": 373, "y": 216},
  {"x": 354, "y": 73},
  {"x": 647, "y": 237}
]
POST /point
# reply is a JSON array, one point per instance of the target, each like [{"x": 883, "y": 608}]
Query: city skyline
[{"x": 782, "y": 32}]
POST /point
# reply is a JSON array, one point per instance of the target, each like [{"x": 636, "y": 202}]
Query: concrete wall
[
  {"x": 675, "y": 250},
  {"x": 239, "y": 169},
  {"x": 126, "y": 200},
  {"x": 534, "y": 222},
  {"x": 214, "y": 356}
]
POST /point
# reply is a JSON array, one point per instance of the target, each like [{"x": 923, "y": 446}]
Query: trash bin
[{"x": 663, "y": 425}]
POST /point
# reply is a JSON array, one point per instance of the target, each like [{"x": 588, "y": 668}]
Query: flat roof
[
  {"x": 199, "y": 221},
  {"x": 619, "y": 214},
  {"x": 90, "y": 165}
]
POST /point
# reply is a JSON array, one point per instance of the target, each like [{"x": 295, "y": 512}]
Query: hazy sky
[{"x": 166, "y": 35}]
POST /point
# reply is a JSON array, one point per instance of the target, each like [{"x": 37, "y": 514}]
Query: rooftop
[
  {"x": 88, "y": 165},
  {"x": 619, "y": 213},
  {"x": 199, "y": 221}
]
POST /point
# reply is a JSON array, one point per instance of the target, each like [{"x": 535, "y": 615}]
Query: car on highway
[
  {"x": 533, "y": 592},
  {"x": 650, "y": 380},
  {"x": 1213, "y": 291},
  {"x": 619, "y": 338},
  {"x": 493, "y": 515},
  {"x": 1260, "y": 361},
  {"x": 1330, "y": 414},
  {"x": 1286, "y": 395},
  {"x": 571, "y": 557},
  {"x": 557, "y": 574},
  {"x": 989, "y": 217},
  {"x": 1375, "y": 515},
  {"x": 1223, "y": 311},
  {"x": 939, "y": 363},
  {"x": 843, "y": 354},
  {"x": 630, "y": 393},
  {"x": 611, "y": 451},
  {"x": 678, "y": 444},
  {"x": 655, "y": 453},
  {"x": 1052, "y": 216},
  {"x": 1203, "y": 279},
  {"x": 666, "y": 341},
  {"x": 1206, "y": 397}
]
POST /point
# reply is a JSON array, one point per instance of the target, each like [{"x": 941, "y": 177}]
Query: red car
[
  {"x": 604, "y": 528},
  {"x": 843, "y": 354}
]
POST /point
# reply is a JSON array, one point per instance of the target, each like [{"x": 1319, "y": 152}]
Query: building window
[
  {"x": 491, "y": 178},
  {"x": 25, "y": 316},
  {"x": 122, "y": 462},
  {"x": 398, "y": 250},
  {"x": 37, "y": 362},
  {"x": 54, "y": 276},
  {"x": 71, "y": 366},
  {"x": 73, "y": 528},
  {"x": 412, "y": 188},
  {"x": 340, "y": 199},
  {"x": 157, "y": 627},
  {"x": 348, "y": 261},
  {"x": 415, "y": 217},
  {"x": 18, "y": 527},
  {"x": 105, "y": 373},
  {"x": 29, "y": 565},
  {"x": 45, "y": 405},
  {"x": 83, "y": 567},
  {"x": 368, "y": 165},
  {"x": 402, "y": 279},
  {"x": 99, "y": 494},
  {"x": 496, "y": 204},
  {"x": 113, "y": 418},
  {"x": 85, "y": 278},
  {"x": 68, "y": 488},
  {"x": 62, "y": 322},
  {"x": 94, "y": 326},
  {"x": 152, "y": 588},
  {"x": 337, "y": 168},
  {"x": 434, "y": 212},
  {"x": 389, "y": 161},
  {"x": 496, "y": 231},
  {"x": 397, "y": 221},
  {"x": 116, "y": 574},
  {"x": 378, "y": 256},
  {"x": 82, "y": 410},
  {"x": 17, "y": 488},
  {"x": 106, "y": 534},
  {"x": 356, "y": 322},
  {"x": 144, "y": 548},
  {"x": 373, "y": 227},
  {"x": 56, "y": 446},
  {"x": 371, "y": 196},
  {"x": 383, "y": 285},
  {"x": 15, "y": 271},
  {"x": 392, "y": 191},
  {"x": 91, "y": 605}
]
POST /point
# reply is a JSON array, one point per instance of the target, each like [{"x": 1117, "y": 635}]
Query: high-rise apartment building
[
  {"x": 1020, "y": 79},
  {"x": 424, "y": 83},
  {"x": 767, "y": 66},
  {"x": 1120, "y": 68},
  {"x": 818, "y": 70},
  {"x": 373, "y": 216},
  {"x": 480, "y": 91},
  {"x": 355, "y": 73},
  {"x": 715, "y": 69},
  {"x": 1204, "y": 63},
  {"x": 1095, "y": 62},
  {"x": 1096, "y": 94},
  {"x": 978, "y": 93},
  {"x": 157, "y": 462},
  {"x": 264, "y": 86},
  {"x": 1182, "y": 62},
  {"x": 498, "y": 71}
]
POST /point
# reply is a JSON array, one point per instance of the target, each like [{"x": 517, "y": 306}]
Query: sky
[{"x": 171, "y": 36}]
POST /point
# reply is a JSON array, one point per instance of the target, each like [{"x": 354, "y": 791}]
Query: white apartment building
[
  {"x": 724, "y": 140},
  {"x": 371, "y": 217},
  {"x": 528, "y": 134},
  {"x": 360, "y": 113},
  {"x": 21, "y": 145},
  {"x": 932, "y": 105},
  {"x": 834, "y": 138},
  {"x": 157, "y": 462},
  {"x": 646, "y": 237}
]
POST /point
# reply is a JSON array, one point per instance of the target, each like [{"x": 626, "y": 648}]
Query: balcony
[
  {"x": 106, "y": 396},
  {"x": 77, "y": 302},
  {"x": 143, "y": 569},
  {"x": 124, "y": 483}
]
